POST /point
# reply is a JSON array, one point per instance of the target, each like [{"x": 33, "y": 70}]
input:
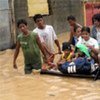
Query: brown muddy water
[{"x": 14, "y": 85}]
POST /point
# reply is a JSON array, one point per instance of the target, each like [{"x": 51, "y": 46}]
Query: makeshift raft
[{"x": 58, "y": 73}]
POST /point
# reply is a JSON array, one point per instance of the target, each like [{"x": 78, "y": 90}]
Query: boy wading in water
[
  {"x": 46, "y": 33},
  {"x": 31, "y": 46},
  {"x": 47, "y": 36}
]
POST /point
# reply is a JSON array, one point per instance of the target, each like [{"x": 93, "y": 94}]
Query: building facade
[{"x": 58, "y": 10}]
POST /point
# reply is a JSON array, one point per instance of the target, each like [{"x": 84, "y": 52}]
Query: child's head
[
  {"x": 38, "y": 19},
  {"x": 66, "y": 48},
  {"x": 85, "y": 33},
  {"x": 82, "y": 50},
  {"x": 22, "y": 25},
  {"x": 96, "y": 20},
  {"x": 77, "y": 30},
  {"x": 71, "y": 19}
]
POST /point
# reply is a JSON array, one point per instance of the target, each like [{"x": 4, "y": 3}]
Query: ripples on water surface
[{"x": 14, "y": 85}]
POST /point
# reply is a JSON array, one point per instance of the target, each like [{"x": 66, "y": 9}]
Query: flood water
[{"x": 14, "y": 85}]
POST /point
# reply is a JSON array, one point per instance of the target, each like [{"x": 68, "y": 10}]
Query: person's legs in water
[
  {"x": 28, "y": 69},
  {"x": 37, "y": 66}
]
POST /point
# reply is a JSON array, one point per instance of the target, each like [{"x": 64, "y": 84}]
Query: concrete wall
[
  {"x": 5, "y": 33},
  {"x": 59, "y": 10}
]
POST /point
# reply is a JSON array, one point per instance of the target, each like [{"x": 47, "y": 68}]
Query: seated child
[
  {"x": 67, "y": 53},
  {"x": 82, "y": 64},
  {"x": 66, "y": 56},
  {"x": 90, "y": 42}
]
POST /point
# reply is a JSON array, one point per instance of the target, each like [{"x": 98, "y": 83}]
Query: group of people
[{"x": 80, "y": 54}]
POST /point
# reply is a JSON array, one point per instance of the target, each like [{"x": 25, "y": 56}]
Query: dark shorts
[
  {"x": 63, "y": 67},
  {"x": 29, "y": 67}
]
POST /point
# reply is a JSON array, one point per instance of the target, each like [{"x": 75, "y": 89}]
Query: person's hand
[
  {"x": 14, "y": 66},
  {"x": 51, "y": 58},
  {"x": 89, "y": 46},
  {"x": 44, "y": 67},
  {"x": 59, "y": 51},
  {"x": 61, "y": 62}
]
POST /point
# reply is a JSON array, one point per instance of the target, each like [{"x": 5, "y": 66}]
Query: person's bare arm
[
  {"x": 71, "y": 34},
  {"x": 59, "y": 59},
  {"x": 94, "y": 50},
  {"x": 16, "y": 55},
  {"x": 58, "y": 45},
  {"x": 46, "y": 48},
  {"x": 70, "y": 37},
  {"x": 40, "y": 46}
]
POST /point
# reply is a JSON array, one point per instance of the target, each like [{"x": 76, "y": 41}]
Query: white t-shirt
[
  {"x": 91, "y": 42},
  {"x": 47, "y": 35}
]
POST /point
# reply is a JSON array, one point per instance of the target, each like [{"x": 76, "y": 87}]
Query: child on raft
[
  {"x": 90, "y": 42},
  {"x": 67, "y": 54},
  {"x": 81, "y": 64}
]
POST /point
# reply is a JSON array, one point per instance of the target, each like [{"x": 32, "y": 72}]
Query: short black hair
[
  {"x": 76, "y": 27},
  {"x": 21, "y": 21},
  {"x": 96, "y": 17},
  {"x": 37, "y": 16},
  {"x": 71, "y": 17},
  {"x": 85, "y": 28},
  {"x": 66, "y": 46}
]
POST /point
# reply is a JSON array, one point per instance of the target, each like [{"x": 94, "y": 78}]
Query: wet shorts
[{"x": 29, "y": 67}]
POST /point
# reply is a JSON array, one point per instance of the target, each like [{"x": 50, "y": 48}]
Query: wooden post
[
  {"x": 84, "y": 12},
  {"x": 13, "y": 24}
]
